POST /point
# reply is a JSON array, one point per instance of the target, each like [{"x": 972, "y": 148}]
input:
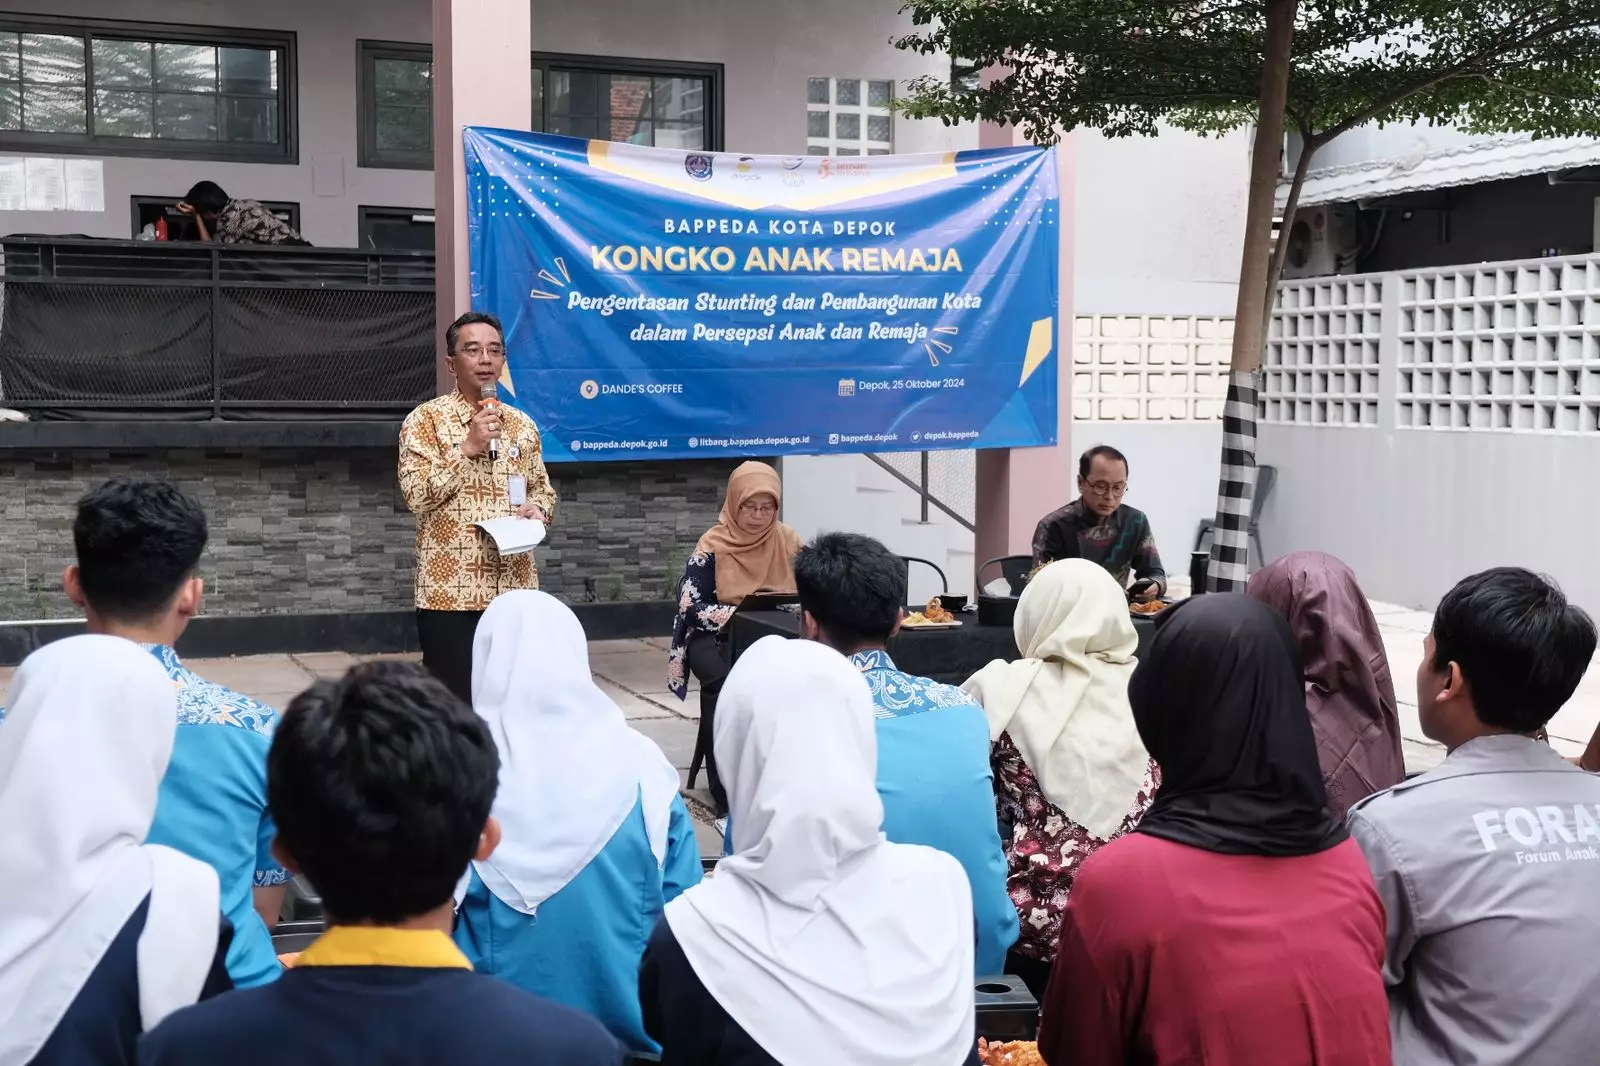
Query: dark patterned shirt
[
  {"x": 1122, "y": 543},
  {"x": 247, "y": 222},
  {"x": 698, "y": 611}
]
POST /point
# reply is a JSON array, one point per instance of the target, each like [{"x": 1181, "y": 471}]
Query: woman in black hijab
[
  {"x": 1238, "y": 926},
  {"x": 1222, "y": 710}
]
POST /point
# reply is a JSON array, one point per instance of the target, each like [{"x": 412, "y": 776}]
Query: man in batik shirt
[
  {"x": 220, "y": 218},
  {"x": 1099, "y": 527},
  {"x": 452, "y": 478}
]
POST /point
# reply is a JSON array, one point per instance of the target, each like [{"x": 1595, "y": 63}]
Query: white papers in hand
[{"x": 513, "y": 535}]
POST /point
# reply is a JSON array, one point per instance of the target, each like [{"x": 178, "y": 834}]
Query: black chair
[
  {"x": 944, "y": 582},
  {"x": 289, "y": 937},
  {"x": 1014, "y": 568},
  {"x": 1266, "y": 478}
]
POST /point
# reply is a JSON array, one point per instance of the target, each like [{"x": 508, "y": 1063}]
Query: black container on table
[
  {"x": 1006, "y": 1009},
  {"x": 1198, "y": 563}
]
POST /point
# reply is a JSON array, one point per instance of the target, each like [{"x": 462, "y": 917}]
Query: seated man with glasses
[{"x": 1099, "y": 527}]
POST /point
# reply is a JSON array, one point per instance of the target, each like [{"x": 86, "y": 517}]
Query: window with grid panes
[
  {"x": 120, "y": 88},
  {"x": 849, "y": 116},
  {"x": 635, "y": 102},
  {"x": 396, "y": 105}
]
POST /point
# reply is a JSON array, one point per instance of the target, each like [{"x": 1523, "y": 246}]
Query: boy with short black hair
[
  {"x": 382, "y": 784},
  {"x": 139, "y": 543},
  {"x": 934, "y": 775},
  {"x": 1488, "y": 864}
]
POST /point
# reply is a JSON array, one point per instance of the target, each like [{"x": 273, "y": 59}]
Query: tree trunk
[
  {"x": 1229, "y": 569},
  {"x": 1280, "y": 249}
]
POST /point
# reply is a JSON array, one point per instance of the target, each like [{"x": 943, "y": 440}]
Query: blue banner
[{"x": 667, "y": 304}]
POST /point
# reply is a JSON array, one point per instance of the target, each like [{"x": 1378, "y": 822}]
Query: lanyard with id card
[{"x": 517, "y": 484}]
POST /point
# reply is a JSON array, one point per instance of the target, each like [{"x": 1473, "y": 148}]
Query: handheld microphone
[{"x": 490, "y": 397}]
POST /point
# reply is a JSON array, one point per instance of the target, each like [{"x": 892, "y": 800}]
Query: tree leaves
[{"x": 1126, "y": 66}]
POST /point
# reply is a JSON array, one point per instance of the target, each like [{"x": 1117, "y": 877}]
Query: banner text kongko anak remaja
[{"x": 670, "y": 304}]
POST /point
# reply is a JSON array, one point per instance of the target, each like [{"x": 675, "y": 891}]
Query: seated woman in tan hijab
[
  {"x": 747, "y": 551},
  {"x": 1349, "y": 691},
  {"x": 1070, "y": 771}
]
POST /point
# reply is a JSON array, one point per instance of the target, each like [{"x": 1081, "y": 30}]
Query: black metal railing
[
  {"x": 920, "y": 486},
  {"x": 101, "y": 329}
]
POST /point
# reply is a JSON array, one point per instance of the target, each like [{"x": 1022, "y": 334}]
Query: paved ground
[{"x": 633, "y": 673}]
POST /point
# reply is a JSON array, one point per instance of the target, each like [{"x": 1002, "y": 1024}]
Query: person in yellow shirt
[{"x": 464, "y": 461}]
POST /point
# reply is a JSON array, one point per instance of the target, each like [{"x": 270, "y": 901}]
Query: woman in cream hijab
[
  {"x": 101, "y": 934},
  {"x": 1070, "y": 770}
]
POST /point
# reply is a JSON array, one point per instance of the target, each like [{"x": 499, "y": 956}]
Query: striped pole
[{"x": 1229, "y": 569}]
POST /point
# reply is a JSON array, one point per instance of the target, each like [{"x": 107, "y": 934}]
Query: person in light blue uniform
[
  {"x": 596, "y": 839},
  {"x": 934, "y": 775},
  {"x": 139, "y": 545}
]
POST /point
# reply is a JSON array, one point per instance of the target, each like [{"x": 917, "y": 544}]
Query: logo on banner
[
  {"x": 832, "y": 168},
  {"x": 746, "y": 170},
  {"x": 698, "y": 166},
  {"x": 589, "y": 389},
  {"x": 791, "y": 170}
]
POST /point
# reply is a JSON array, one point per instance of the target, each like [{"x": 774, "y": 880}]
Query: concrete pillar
[
  {"x": 482, "y": 76},
  {"x": 1018, "y": 486}
]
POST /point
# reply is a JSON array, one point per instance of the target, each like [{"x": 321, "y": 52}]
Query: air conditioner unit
[{"x": 1323, "y": 240}]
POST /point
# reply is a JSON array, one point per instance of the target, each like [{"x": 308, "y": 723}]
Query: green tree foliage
[
  {"x": 1126, "y": 67},
  {"x": 1317, "y": 67}
]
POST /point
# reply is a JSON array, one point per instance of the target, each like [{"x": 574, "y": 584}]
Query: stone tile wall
[{"x": 317, "y": 530}]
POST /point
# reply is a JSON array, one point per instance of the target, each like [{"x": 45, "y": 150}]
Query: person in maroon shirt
[{"x": 1238, "y": 925}]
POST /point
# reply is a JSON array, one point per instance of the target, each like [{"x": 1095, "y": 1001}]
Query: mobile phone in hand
[{"x": 1142, "y": 588}]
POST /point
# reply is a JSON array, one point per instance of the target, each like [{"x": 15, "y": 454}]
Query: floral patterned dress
[
  {"x": 1046, "y": 848},
  {"x": 698, "y": 611}
]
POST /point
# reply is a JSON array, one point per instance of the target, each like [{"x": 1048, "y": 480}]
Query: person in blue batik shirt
[
  {"x": 139, "y": 544},
  {"x": 933, "y": 740},
  {"x": 595, "y": 838}
]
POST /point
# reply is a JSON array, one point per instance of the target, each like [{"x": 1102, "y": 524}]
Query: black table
[{"x": 947, "y": 655}]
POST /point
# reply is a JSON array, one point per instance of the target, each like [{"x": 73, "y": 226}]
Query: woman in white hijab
[
  {"x": 596, "y": 839},
  {"x": 1069, "y": 768},
  {"x": 817, "y": 941},
  {"x": 101, "y": 934}
]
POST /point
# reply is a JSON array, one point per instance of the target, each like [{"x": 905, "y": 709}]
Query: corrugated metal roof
[{"x": 1490, "y": 160}]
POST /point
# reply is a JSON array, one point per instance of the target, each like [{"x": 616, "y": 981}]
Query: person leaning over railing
[{"x": 218, "y": 217}]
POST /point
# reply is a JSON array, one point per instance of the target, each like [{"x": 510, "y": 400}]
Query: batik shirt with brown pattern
[{"x": 458, "y": 568}]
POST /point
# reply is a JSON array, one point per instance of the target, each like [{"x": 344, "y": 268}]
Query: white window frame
[{"x": 833, "y": 144}]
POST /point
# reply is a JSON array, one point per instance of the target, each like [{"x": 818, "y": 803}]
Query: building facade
[
  {"x": 345, "y": 119},
  {"x": 1432, "y": 374}
]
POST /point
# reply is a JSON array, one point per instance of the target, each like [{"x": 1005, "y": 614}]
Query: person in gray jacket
[{"x": 1489, "y": 864}]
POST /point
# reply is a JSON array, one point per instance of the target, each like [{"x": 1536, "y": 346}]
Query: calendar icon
[{"x": 847, "y": 386}]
